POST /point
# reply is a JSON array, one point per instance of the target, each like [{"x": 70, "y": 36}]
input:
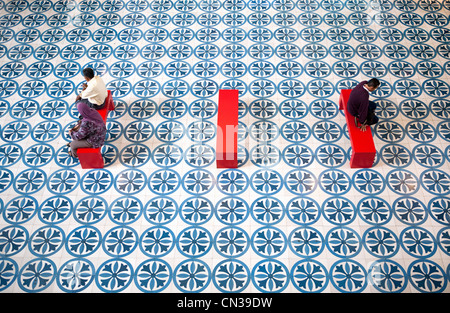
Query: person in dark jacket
[
  {"x": 90, "y": 131},
  {"x": 360, "y": 107}
]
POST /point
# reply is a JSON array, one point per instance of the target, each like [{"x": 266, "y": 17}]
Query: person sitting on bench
[
  {"x": 90, "y": 131},
  {"x": 94, "y": 92},
  {"x": 360, "y": 107}
]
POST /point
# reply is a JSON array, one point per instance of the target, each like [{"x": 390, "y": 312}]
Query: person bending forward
[
  {"x": 360, "y": 107},
  {"x": 90, "y": 132}
]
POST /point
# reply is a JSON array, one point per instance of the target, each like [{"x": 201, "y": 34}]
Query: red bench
[
  {"x": 92, "y": 157},
  {"x": 227, "y": 129},
  {"x": 363, "y": 147}
]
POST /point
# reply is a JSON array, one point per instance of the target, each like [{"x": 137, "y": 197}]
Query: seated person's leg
[
  {"x": 76, "y": 144},
  {"x": 372, "y": 118},
  {"x": 98, "y": 107},
  {"x": 92, "y": 105}
]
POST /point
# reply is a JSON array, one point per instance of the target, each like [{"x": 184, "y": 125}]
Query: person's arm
[
  {"x": 79, "y": 96},
  {"x": 363, "y": 111},
  {"x": 87, "y": 92}
]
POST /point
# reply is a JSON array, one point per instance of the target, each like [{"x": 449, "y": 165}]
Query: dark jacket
[{"x": 358, "y": 102}]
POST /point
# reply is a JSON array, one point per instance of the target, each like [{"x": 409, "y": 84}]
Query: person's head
[
  {"x": 373, "y": 84},
  {"x": 83, "y": 108},
  {"x": 88, "y": 73},
  {"x": 89, "y": 113}
]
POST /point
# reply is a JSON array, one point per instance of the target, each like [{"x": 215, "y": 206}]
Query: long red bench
[
  {"x": 92, "y": 157},
  {"x": 227, "y": 129},
  {"x": 363, "y": 147}
]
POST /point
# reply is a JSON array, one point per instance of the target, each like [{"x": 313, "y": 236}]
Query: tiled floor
[{"x": 160, "y": 216}]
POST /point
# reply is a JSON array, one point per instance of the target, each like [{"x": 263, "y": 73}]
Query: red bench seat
[
  {"x": 227, "y": 129},
  {"x": 92, "y": 157},
  {"x": 363, "y": 147}
]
